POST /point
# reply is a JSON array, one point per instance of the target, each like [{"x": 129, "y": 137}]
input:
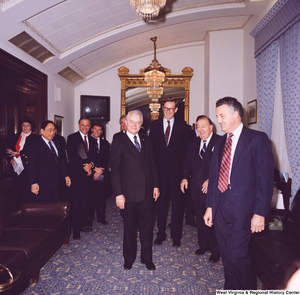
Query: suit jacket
[
  {"x": 42, "y": 167},
  {"x": 133, "y": 173},
  {"x": 103, "y": 156},
  {"x": 170, "y": 158},
  {"x": 78, "y": 155},
  {"x": 196, "y": 168},
  {"x": 251, "y": 177},
  {"x": 25, "y": 151}
]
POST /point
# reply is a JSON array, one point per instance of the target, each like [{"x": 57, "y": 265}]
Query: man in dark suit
[
  {"x": 81, "y": 149},
  {"x": 47, "y": 165},
  {"x": 135, "y": 186},
  {"x": 189, "y": 203},
  {"x": 123, "y": 126},
  {"x": 196, "y": 165},
  {"x": 170, "y": 139},
  {"x": 239, "y": 192},
  {"x": 101, "y": 177}
]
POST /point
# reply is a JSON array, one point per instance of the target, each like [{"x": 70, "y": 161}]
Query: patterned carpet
[{"x": 94, "y": 265}]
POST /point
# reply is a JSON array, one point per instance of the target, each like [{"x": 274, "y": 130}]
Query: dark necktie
[
  {"x": 137, "y": 143},
  {"x": 167, "y": 133},
  {"x": 225, "y": 165},
  {"x": 86, "y": 144},
  {"x": 53, "y": 151},
  {"x": 203, "y": 150}
]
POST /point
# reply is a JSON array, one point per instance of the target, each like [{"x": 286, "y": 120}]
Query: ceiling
[{"x": 80, "y": 38}]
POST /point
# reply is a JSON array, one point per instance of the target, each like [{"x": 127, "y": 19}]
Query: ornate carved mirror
[{"x": 134, "y": 89}]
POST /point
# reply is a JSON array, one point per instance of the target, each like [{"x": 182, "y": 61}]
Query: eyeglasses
[
  {"x": 169, "y": 109},
  {"x": 50, "y": 130}
]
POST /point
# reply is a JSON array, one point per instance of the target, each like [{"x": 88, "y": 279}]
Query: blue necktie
[
  {"x": 202, "y": 151},
  {"x": 137, "y": 143},
  {"x": 53, "y": 151}
]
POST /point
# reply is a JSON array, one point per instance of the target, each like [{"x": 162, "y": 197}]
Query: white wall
[
  {"x": 174, "y": 58},
  {"x": 64, "y": 107},
  {"x": 225, "y": 68}
]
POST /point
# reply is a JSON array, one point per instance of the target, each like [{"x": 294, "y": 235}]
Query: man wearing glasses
[
  {"x": 170, "y": 139},
  {"x": 47, "y": 165}
]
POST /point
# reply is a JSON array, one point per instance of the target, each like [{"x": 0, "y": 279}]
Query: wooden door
[{"x": 23, "y": 92}]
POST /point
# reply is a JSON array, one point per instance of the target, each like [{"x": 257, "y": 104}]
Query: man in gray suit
[{"x": 135, "y": 185}]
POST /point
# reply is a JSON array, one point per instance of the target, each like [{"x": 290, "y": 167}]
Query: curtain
[
  {"x": 281, "y": 159},
  {"x": 290, "y": 84},
  {"x": 266, "y": 66}
]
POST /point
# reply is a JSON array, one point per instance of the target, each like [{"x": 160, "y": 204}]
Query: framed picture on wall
[
  {"x": 252, "y": 111},
  {"x": 59, "y": 123}
]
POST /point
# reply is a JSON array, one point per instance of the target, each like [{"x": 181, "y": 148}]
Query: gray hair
[{"x": 136, "y": 112}]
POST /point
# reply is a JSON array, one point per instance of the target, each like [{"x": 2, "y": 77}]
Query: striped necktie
[
  {"x": 203, "y": 150},
  {"x": 167, "y": 133},
  {"x": 137, "y": 143},
  {"x": 225, "y": 165}
]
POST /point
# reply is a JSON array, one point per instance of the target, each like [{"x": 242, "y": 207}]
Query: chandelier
[
  {"x": 155, "y": 73},
  {"x": 155, "y": 94},
  {"x": 148, "y": 9},
  {"x": 154, "y": 107}
]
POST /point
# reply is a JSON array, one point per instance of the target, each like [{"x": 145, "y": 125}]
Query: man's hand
[
  {"x": 88, "y": 168},
  {"x": 183, "y": 185},
  {"x": 35, "y": 188},
  {"x": 205, "y": 186},
  {"x": 155, "y": 193},
  {"x": 257, "y": 223},
  {"x": 13, "y": 162},
  {"x": 99, "y": 170},
  {"x": 120, "y": 201},
  {"x": 208, "y": 217},
  {"x": 68, "y": 181}
]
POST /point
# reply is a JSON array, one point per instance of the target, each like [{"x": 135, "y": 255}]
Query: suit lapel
[
  {"x": 132, "y": 146},
  {"x": 174, "y": 131},
  {"x": 81, "y": 145},
  {"x": 222, "y": 145},
  {"x": 241, "y": 146},
  {"x": 47, "y": 149},
  {"x": 161, "y": 131}
]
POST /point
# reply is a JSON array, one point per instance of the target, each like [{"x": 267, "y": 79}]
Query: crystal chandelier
[
  {"x": 155, "y": 73},
  {"x": 148, "y": 9},
  {"x": 155, "y": 94}
]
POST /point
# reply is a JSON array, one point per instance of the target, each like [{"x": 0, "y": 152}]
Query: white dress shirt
[{"x": 235, "y": 138}]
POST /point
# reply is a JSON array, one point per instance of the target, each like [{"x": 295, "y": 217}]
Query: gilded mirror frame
[{"x": 137, "y": 80}]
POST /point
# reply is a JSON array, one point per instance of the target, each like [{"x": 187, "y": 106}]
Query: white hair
[{"x": 137, "y": 112}]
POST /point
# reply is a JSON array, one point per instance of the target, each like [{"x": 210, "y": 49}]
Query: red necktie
[
  {"x": 86, "y": 144},
  {"x": 225, "y": 165},
  {"x": 167, "y": 133}
]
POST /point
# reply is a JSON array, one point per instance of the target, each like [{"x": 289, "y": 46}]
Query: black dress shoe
[
  {"x": 158, "y": 241},
  {"x": 127, "y": 265},
  {"x": 191, "y": 223},
  {"x": 201, "y": 251},
  {"x": 214, "y": 258},
  {"x": 176, "y": 243},
  {"x": 76, "y": 236},
  {"x": 104, "y": 222},
  {"x": 86, "y": 229},
  {"x": 150, "y": 266}
]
